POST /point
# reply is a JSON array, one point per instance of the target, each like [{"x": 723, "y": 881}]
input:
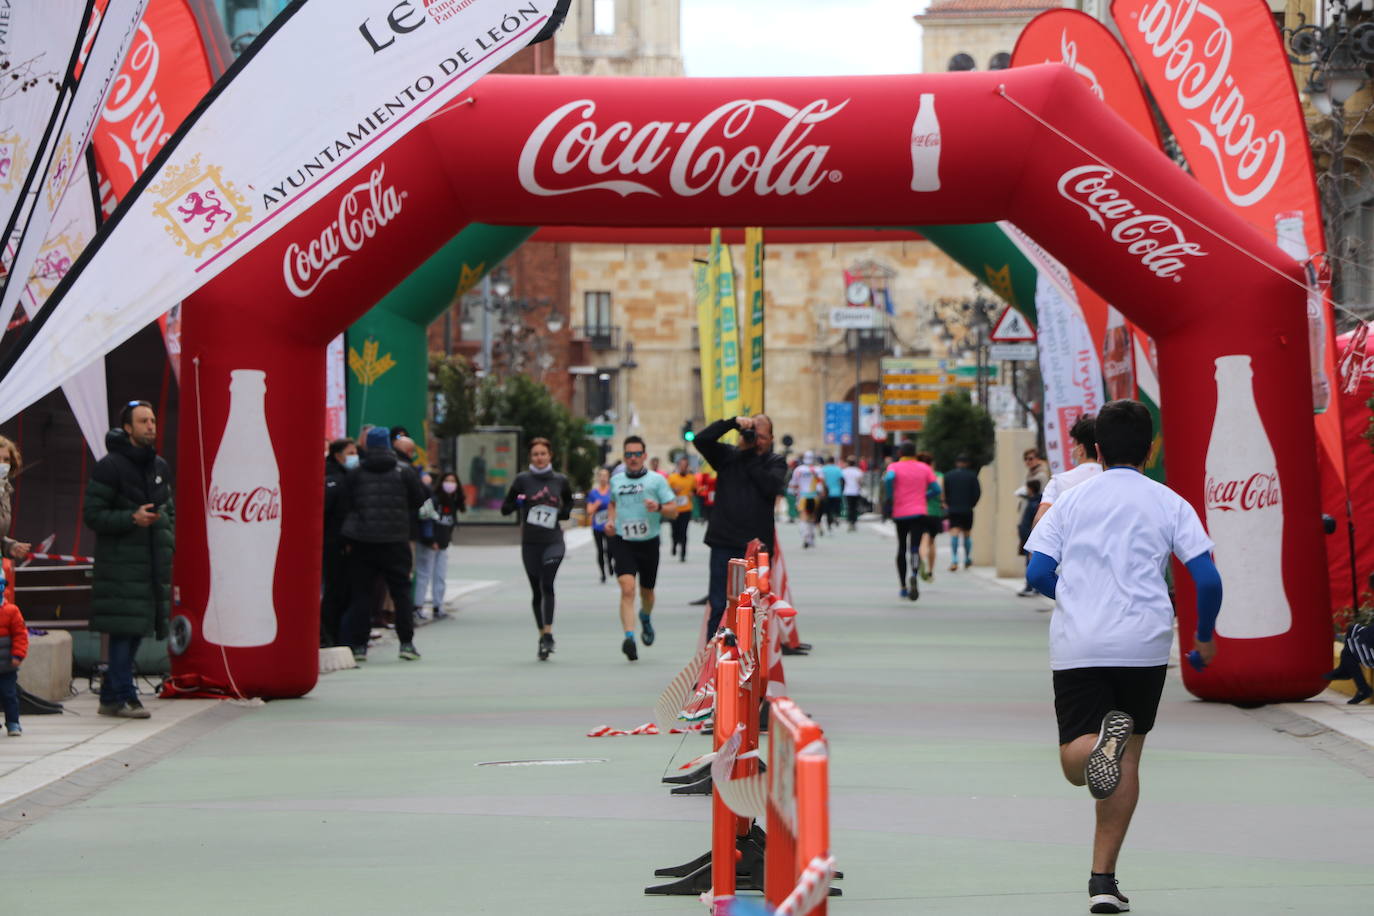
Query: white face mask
[
  {"x": 450, "y": 487},
  {"x": 4, "y": 470},
  {"x": 350, "y": 461}
]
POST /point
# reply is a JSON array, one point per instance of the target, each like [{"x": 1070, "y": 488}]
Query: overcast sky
[{"x": 800, "y": 37}]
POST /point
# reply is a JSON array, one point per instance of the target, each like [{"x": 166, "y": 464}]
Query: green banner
[
  {"x": 387, "y": 352},
  {"x": 751, "y": 387},
  {"x": 708, "y": 341},
  {"x": 727, "y": 309}
]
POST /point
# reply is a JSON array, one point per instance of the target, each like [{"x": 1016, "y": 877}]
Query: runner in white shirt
[
  {"x": 807, "y": 485},
  {"x": 853, "y": 489},
  {"x": 1111, "y": 539},
  {"x": 1084, "y": 456}
]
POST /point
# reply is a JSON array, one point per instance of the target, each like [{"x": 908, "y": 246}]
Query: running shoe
[
  {"x": 913, "y": 587},
  {"x": 967, "y": 564},
  {"x": 628, "y": 647},
  {"x": 1105, "y": 897},
  {"x": 1103, "y": 769},
  {"x": 545, "y": 646},
  {"x": 954, "y": 567},
  {"x": 1028, "y": 592},
  {"x": 14, "y": 730},
  {"x": 359, "y": 656},
  {"x": 648, "y": 629},
  {"x": 408, "y": 652},
  {"x": 901, "y": 593}
]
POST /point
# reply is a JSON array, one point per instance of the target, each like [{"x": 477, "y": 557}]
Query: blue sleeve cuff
[
  {"x": 1040, "y": 573},
  {"x": 1207, "y": 581}
]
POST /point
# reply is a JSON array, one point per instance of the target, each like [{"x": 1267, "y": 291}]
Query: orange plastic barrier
[{"x": 798, "y": 865}]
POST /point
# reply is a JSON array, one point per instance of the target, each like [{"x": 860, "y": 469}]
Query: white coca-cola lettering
[
  {"x": 789, "y": 165},
  {"x": 133, "y": 100},
  {"x": 1156, "y": 240},
  {"x": 926, "y": 140},
  {"x": 1249, "y": 161},
  {"x": 1068, "y": 56},
  {"x": 304, "y": 268},
  {"x": 1258, "y": 491},
  {"x": 261, "y": 504}
]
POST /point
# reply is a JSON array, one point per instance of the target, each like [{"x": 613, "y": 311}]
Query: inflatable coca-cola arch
[{"x": 1031, "y": 145}]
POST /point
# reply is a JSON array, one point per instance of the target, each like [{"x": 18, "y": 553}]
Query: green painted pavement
[{"x": 946, "y": 796}]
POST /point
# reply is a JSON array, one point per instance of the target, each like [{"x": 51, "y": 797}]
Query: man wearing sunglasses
[{"x": 640, "y": 500}]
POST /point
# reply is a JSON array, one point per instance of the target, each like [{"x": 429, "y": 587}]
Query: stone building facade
[
  {"x": 981, "y": 29},
  {"x": 644, "y": 295},
  {"x": 621, "y": 38}
]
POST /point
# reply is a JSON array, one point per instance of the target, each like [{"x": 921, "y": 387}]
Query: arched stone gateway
[{"x": 1030, "y": 145}]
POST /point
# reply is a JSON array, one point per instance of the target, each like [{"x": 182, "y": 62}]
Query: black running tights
[
  {"x": 541, "y": 566},
  {"x": 908, "y": 531},
  {"x": 603, "y": 555}
]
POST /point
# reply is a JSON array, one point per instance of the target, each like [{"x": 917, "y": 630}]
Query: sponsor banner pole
[
  {"x": 238, "y": 170},
  {"x": 753, "y": 387},
  {"x": 727, "y": 308},
  {"x": 108, "y": 39},
  {"x": 40, "y": 43},
  {"x": 706, "y": 338},
  {"x": 1252, "y": 151}
]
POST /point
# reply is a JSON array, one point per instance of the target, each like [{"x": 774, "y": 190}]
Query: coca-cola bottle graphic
[
  {"x": 243, "y": 521},
  {"x": 925, "y": 146},
  {"x": 1118, "y": 366},
  {"x": 1245, "y": 510},
  {"x": 1289, "y": 233}
]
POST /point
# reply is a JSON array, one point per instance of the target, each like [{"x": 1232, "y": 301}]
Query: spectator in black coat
[
  {"x": 749, "y": 480},
  {"x": 382, "y": 496},
  {"x": 342, "y": 457}
]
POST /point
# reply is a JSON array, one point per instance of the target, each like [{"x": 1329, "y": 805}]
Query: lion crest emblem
[{"x": 201, "y": 209}]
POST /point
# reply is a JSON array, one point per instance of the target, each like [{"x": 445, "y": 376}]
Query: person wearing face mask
[
  {"x": 342, "y": 457},
  {"x": 439, "y": 517},
  {"x": 543, "y": 497},
  {"x": 10, "y": 465},
  {"x": 129, "y": 507}
]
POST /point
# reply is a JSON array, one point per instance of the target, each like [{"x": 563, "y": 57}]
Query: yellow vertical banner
[
  {"x": 708, "y": 339},
  {"x": 728, "y": 311},
  {"x": 751, "y": 387}
]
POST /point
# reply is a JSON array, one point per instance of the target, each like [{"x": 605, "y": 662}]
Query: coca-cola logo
[
  {"x": 137, "y": 123},
  {"x": 696, "y": 155},
  {"x": 305, "y": 267},
  {"x": 1068, "y": 56},
  {"x": 1157, "y": 241},
  {"x": 1249, "y": 160},
  {"x": 1258, "y": 491},
  {"x": 260, "y": 504},
  {"x": 926, "y": 141}
]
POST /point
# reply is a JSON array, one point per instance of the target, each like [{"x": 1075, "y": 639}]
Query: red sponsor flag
[
  {"x": 1222, "y": 80},
  {"x": 166, "y": 72}
]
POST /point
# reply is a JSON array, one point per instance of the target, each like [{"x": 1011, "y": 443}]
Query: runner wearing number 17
[
  {"x": 640, "y": 500},
  {"x": 543, "y": 498}
]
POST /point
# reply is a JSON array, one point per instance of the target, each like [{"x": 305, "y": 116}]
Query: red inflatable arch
[{"x": 1030, "y": 145}]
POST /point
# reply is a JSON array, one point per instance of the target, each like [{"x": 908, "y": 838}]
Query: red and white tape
[
  {"x": 605, "y": 731},
  {"x": 813, "y": 887},
  {"x": 65, "y": 558}
]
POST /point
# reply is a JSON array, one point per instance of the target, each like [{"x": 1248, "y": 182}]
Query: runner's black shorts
[
  {"x": 808, "y": 505},
  {"x": 1082, "y": 696},
  {"x": 930, "y": 524},
  {"x": 636, "y": 558},
  {"x": 961, "y": 520}
]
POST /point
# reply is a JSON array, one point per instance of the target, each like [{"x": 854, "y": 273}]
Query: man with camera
[
  {"x": 129, "y": 506},
  {"x": 749, "y": 480}
]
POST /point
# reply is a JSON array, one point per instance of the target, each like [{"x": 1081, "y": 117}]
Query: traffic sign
[
  {"x": 878, "y": 432},
  {"x": 856, "y": 317},
  {"x": 839, "y": 422},
  {"x": 600, "y": 430},
  {"x": 1012, "y": 326},
  {"x": 1013, "y": 351}
]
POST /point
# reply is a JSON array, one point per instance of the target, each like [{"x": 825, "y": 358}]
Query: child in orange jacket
[{"x": 14, "y": 646}]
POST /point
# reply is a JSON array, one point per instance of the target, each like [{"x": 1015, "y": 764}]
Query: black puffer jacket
[
  {"x": 335, "y": 476},
  {"x": 747, "y": 488},
  {"x": 132, "y": 580},
  {"x": 381, "y": 496}
]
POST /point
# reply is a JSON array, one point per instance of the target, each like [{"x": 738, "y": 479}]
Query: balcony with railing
[{"x": 599, "y": 337}]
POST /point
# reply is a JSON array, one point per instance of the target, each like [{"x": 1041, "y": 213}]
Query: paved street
[{"x": 370, "y": 795}]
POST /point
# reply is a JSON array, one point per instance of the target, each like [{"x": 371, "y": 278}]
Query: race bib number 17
[{"x": 543, "y": 517}]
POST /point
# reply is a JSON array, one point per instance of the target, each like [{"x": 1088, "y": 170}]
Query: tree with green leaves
[
  {"x": 956, "y": 426},
  {"x": 521, "y": 402},
  {"x": 454, "y": 387}
]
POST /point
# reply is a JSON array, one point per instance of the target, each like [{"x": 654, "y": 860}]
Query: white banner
[
  {"x": 324, "y": 91},
  {"x": 107, "y": 43},
  {"x": 36, "y": 45},
  {"x": 335, "y": 391},
  {"x": 1069, "y": 365}
]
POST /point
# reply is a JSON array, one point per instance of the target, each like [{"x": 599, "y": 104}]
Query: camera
[{"x": 748, "y": 436}]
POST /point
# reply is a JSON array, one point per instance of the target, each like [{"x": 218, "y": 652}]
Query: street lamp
[
  {"x": 1338, "y": 55},
  {"x": 503, "y": 317}
]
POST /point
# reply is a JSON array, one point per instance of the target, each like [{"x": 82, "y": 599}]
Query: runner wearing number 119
[
  {"x": 640, "y": 500},
  {"x": 544, "y": 498}
]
